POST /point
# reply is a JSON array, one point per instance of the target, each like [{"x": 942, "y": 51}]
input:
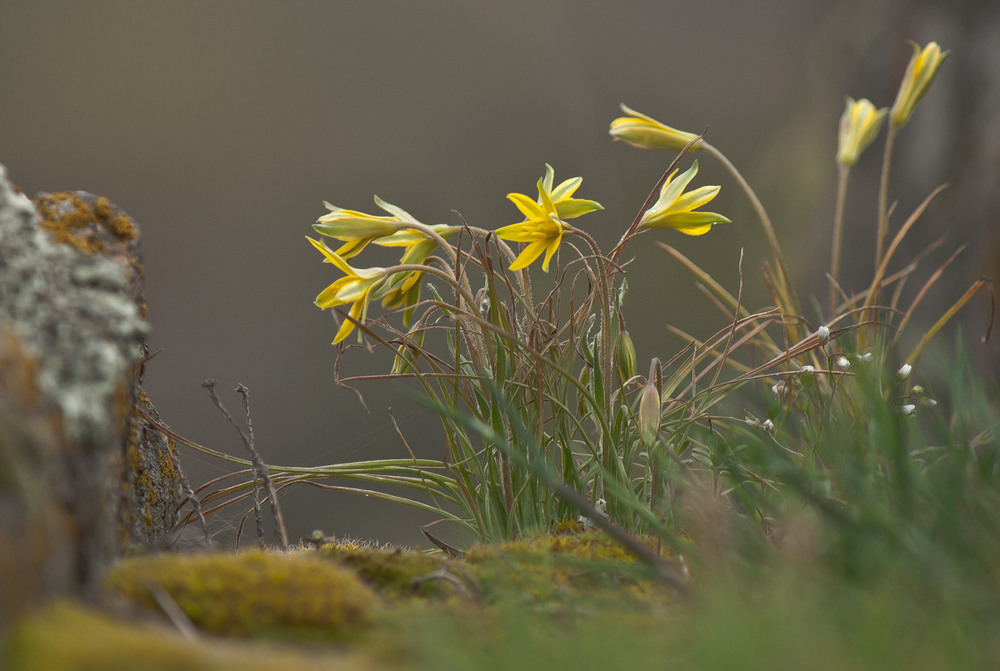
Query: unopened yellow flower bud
[
  {"x": 859, "y": 125},
  {"x": 649, "y": 406},
  {"x": 646, "y": 132},
  {"x": 649, "y": 413},
  {"x": 626, "y": 356},
  {"x": 917, "y": 79}
]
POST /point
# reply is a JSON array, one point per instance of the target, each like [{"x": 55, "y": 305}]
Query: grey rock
[{"x": 82, "y": 475}]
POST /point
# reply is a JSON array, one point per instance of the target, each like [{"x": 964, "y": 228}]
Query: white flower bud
[
  {"x": 908, "y": 409},
  {"x": 768, "y": 425},
  {"x": 823, "y": 333},
  {"x": 904, "y": 372},
  {"x": 843, "y": 362}
]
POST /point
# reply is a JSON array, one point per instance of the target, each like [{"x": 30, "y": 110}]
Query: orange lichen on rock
[
  {"x": 151, "y": 482},
  {"x": 84, "y": 225},
  {"x": 94, "y": 225}
]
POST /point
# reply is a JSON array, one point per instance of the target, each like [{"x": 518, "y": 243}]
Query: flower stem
[
  {"x": 883, "y": 196},
  {"x": 844, "y": 172},
  {"x": 788, "y": 294},
  {"x": 604, "y": 268}
]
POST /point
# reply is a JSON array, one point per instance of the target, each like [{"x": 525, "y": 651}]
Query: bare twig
[{"x": 259, "y": 467}]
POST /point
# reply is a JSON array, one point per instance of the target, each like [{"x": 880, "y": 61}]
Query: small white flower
[
  {"x": 601, "y": 506},
  {"x": 807, "y": 369},
  {"x": 823, "y": 334},
  {"x": 904, "y": 372},
  {"x": 768, "y": 425},
  {"x": 866, "y": 357},
  {"x": 750, "y": 421},
  {"x": 908, "y": 409},
  {"x": 843, "y": 362},
  {"x": 929, "y": 402}
]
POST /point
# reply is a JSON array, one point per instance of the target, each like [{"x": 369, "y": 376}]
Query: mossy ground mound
[
  {"x": 251, "y": 593},
  {"x": 67, "y": 636}
]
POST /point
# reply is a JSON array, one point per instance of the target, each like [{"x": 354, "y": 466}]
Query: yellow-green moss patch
[
  {"x": 394, "y": 573},
  {"x": 66, "y": 636},
  {"x": 561, "y": 566},
  {"x": 252, "y": 593}
]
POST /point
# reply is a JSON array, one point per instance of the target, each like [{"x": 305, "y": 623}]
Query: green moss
[
  {"x": 563, "y": 566},
  {"x": 391, "y": 572},
  {"x": 252, "y": 593},
  {"x": 66, "y": 636}
]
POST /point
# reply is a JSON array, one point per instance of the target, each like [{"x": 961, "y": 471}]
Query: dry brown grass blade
[
  {"x": 880, "y": 272},
  {"x": 732, "y": 329},
  {"x": 931, "y": 281},
  {"x": 704, "y": 277},
  {"x": 946, "y": 317},
  {"x": 709, "y": 348}
]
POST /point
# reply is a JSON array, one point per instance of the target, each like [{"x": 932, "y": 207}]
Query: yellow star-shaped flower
[
  {"x": 543, "y": 228},
  {"x": 356, "y": 287},
  {"x": 676, "y": 209}
]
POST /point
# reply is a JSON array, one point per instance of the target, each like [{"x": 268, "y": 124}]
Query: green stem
[
  {"x": 464, "y": 292},
  {"x": 603, "y": 270},
  {"x": 786, "y": 286},
  {"x": 844, "y": 172},
  {"x": 883, "y": 196}
]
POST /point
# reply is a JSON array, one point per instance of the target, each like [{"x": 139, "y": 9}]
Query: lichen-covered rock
[
  {"x": 35, "y": 553},
  {"x": 72, "y": 324},
  {"x": 252, "y": 593},
  {"x": 151, "y": 488}
]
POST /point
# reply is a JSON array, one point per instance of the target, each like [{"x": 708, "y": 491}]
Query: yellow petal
[
  {"x": 522, "y": 232},
  {"x": 528, "y": 255},
  {"x": 529, "y": 208}
]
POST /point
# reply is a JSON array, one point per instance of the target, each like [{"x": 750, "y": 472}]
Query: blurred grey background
[{"x": 222, "y": 126}]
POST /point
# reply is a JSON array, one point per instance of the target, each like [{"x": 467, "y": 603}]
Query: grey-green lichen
[
  {"x": 75, "y": 311},
  {"x": 73, "y": 324}
]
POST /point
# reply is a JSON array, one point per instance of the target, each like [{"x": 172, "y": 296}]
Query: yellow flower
[
  {"x": 544, "y": 227},
  {"x": 357, "y": 229},
  {"x": 404, "y": 288},
  {"x": 675, "y": 209},
  {"x": 859, "y": 125},
  {"x": 646, "y": 132},
  {"x": 356, "y": 288},
  {"x": 917, "y": 79}
]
